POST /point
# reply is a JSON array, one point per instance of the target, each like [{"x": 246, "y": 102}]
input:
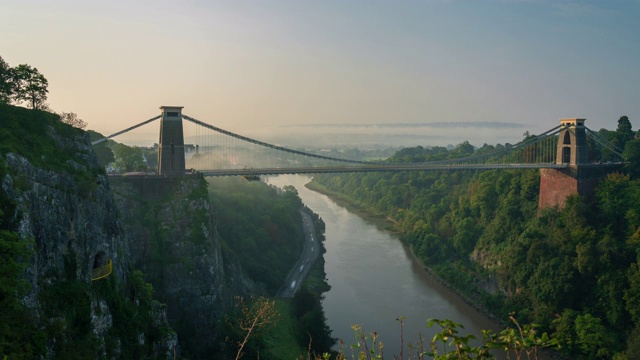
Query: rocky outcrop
[{"x": 67, "y": 219}]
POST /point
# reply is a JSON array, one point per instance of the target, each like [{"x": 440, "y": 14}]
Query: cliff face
[
  {"x": 67, "y": 219},
  {"x": 174, "y": 242},
  {"x": 63, "y": 209}
]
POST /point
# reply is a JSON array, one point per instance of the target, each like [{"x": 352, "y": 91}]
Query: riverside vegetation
[{"x": 572, "y": 271}]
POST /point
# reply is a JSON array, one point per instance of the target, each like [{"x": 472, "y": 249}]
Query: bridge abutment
[
  {"x": 171, "y": 160},
  {"x": 558, "y": 184},
  {"x": 579, "y": 178}
]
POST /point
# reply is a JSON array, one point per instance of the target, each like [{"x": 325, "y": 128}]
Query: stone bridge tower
[
  {"x": 171, "y": 145},
  {"x": 572, "y": 143},
  {"x": 580, "y": 177}
]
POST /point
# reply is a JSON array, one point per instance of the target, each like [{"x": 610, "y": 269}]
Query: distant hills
[{"x": 439, "y": 125}]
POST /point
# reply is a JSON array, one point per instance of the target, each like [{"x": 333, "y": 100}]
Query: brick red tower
[{"x": 579, "y": 177}]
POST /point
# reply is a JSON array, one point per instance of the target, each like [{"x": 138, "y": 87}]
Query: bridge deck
[{"x": 373, "y": 168}]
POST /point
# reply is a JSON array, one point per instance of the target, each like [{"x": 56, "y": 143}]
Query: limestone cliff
[{"x": 61, "y": 205}]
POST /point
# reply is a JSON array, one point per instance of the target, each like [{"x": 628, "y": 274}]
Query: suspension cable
[
  {"x": 606, "y": 143},
  {"x": 261, "y": 143},
  {"x": 125, "y": 130}
]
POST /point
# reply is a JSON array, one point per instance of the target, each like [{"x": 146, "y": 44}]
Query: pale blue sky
[{"x": 254, "y": 65}]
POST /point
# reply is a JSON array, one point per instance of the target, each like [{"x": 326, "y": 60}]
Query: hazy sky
[{"x": 251, "y": 66}]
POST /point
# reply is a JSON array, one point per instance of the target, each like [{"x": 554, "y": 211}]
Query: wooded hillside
[{"x": 573, "y": 271}]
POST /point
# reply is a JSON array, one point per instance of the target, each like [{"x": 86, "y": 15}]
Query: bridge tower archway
[
  {"x": 572, "y": 143},
  {"x": 171, "y": 160}
]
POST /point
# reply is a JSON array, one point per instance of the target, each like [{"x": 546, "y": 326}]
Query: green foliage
[
  {"x": 283, "y": 338},
  {"x": 19, "y": 335},
  {"x": 281, "y": 341},
  {"x": 29, "y": 86},
  {"x": 6, "y": 85},
  {"x": 103, "y": 150},
  {"x": 29, "y": 133},
  {"x": 247, "y": 324},
  {"x": 593, "y": 338},
  {"x": 624, "y": 133},
  {"x": 262, "y": 225},
  {"x": 631, "y": 154},
  {"x": 521, "y": 341},
  {"x": 68, "y": 305},
  {"x": 22, "y": 83},
  {"x": 135, "y": 313},
  {"x": 122, "y": 158},
  {"x": 128, "y": 158},
  {"x": 312, "y": 324}
]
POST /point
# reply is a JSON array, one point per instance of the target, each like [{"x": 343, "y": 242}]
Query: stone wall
[{"x": 557, "y": 184}]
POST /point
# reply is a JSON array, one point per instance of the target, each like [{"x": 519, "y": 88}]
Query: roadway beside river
[{"x": 309, "y": 255}]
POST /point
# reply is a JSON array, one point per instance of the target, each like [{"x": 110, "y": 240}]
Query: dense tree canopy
[
  {"x": 624, "y": 132},
  {"x": 573, "y": 271},
  {"x": 261, "y": 224},
  {"x": 128, "y": 158}
]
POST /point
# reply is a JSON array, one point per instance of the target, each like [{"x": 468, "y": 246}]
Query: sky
[{"x": 262, "y": 67}]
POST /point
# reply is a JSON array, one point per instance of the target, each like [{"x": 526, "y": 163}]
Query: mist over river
[{"x": 375, "y": 280}]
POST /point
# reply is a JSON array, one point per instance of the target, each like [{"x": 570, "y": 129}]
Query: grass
[
  {"x": 26, "y": 132},
  {"x": 280, "y": 340},
  {"x": 43, "y": 140}
]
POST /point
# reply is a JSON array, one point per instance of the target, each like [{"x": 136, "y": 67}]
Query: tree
[
  {"x": 632, "y": 155},
  {"x": 29, "y": 85},
  {"x": 593, "y": 338},
  {"x": 72, "y": 119},
  {"x": 624, "y": 132},
  {"x": 128, "y": 158},
  {"x": 103, "y": 149},
  {"x": 6, "y": 83},
  {"x": 255, "y": 316}
]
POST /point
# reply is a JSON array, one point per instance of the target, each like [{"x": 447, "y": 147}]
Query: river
[{"x": 375, "y": 280}]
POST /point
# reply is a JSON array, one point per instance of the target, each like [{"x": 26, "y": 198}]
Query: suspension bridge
[
  {"x": 571, "y": 159},
  {"x": 218, "y": 152}
]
